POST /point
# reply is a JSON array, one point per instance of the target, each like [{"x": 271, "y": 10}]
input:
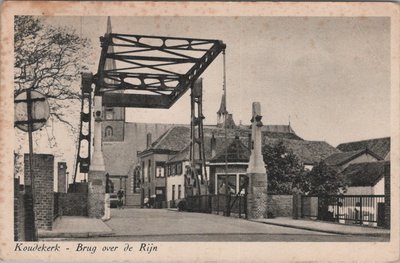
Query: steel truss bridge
[{"x": 149, "y": 72}]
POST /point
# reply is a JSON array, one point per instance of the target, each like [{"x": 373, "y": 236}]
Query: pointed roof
[
  {"x": 109, "y": 27},
  {"x": 222, "y": 108},
  {"x": 110, "y": 63}
]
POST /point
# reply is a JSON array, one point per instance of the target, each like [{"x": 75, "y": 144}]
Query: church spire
[
  {"x": 222, "y": 108},
  {"x": 109, "y": 27},
  {"x": 222, "y": 112},
  {"x": 110, "y": 63},
  {"x": 224, "y": 118}
]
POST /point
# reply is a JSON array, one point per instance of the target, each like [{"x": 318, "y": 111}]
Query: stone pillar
[
  {"x": 257, "y": 196},
  {"x": 43, "y": 174},
  {"x": 62, "y": 177},
  {"x": 97, "y": 174}
]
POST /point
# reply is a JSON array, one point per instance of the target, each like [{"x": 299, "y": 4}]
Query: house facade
[
  {"x": 120, "y": 149},
  {"x": 175, "y": 171},
  {"x": 228, "y": 166},
  {"x": 152, "y": 160}
]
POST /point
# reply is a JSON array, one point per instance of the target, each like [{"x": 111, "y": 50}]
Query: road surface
[{"x": 167, "y": 225}]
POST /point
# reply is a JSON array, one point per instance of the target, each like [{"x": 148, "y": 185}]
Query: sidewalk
[
  {"x": 76, "y": 226},
  {"x": 326, "y": 227}
]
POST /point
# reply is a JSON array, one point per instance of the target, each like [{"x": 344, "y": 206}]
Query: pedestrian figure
[{"x": 120, "y": 195}]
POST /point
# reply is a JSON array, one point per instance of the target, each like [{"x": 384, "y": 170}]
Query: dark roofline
[
  {"x": 155, "y": 151},
  {"x": 366, "y": 140},
  {"x": 361, "y": 152}
]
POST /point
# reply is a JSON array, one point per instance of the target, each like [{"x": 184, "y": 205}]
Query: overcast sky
[{"x": 330, "y": 75}]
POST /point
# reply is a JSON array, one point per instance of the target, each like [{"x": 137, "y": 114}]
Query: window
[
  {"x": 136, "y": 178},
  {"x": 221, "y": 187},
  {"x": 148, "y": 140},
  {"x": 159, "y": 170},
  {"x": 145, "y": 175},
  {"x": 149, "y": 169},
  {"x": 179, "y": 168},
  {"x": 109, "y": 113},
  {"x": 173, "y": 169},
  {"x": 108, "y": 132},
  {"x": 179, "y": 191},
  {"x": 173, "y": 192}
]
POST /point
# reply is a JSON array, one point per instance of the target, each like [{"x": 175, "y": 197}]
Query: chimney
[
  {"x": 213, "y": 146},
  {"x": 148, "y": 140},
  {"x": 62, "y": 177}
]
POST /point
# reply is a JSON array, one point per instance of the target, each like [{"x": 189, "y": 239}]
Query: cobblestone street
[{"x": 167, "y": 225}]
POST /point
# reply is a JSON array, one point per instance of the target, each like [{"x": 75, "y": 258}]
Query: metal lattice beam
[{"x": 157, "y": 70}]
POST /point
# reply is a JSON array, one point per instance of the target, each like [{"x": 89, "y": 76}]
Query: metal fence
[
  {"x": 224, "y": 204},
  {"x": 345, "y": 209}
]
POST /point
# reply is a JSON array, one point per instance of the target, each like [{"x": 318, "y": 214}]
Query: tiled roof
[
  {"x": 341, "y": 158},
  {"x": 184, "y": 155},
  {"x": 178, "y": 137},
  {"x": 308, "y": 152},
  {"x": 119, "y": 156},
  {"x": 277, "y": 128},
  {"x": 380, "y": 146},
  {"x": 175, "y": 139},
  {"x": 364, "y": 174}
]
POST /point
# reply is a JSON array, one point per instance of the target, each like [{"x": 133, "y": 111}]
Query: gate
[
  {"x": 345, "y": 209},
  {"x": 226, "y": 204}
]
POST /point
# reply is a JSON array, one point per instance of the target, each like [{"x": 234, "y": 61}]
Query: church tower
[{"x": 113, "y": 123}]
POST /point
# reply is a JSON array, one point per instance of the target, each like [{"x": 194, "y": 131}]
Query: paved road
[{"x": 166, "y": 225}]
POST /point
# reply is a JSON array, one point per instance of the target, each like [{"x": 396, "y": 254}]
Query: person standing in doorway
[{"x": 120, "y": 196}]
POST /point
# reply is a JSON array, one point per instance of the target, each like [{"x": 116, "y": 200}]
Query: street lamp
[{"x": 31, "y": 112}]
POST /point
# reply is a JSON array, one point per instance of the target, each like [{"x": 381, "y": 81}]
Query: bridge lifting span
[{"x": 151, "y": 72}]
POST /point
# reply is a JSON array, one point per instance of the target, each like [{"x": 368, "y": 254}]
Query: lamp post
[{"x": 31, "y": 113}]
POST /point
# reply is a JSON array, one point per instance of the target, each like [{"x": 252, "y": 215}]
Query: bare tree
[{"x": 49, "y": 59}]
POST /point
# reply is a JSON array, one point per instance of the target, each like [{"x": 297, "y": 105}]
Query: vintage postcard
[{"x": 199, "y": 131}]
